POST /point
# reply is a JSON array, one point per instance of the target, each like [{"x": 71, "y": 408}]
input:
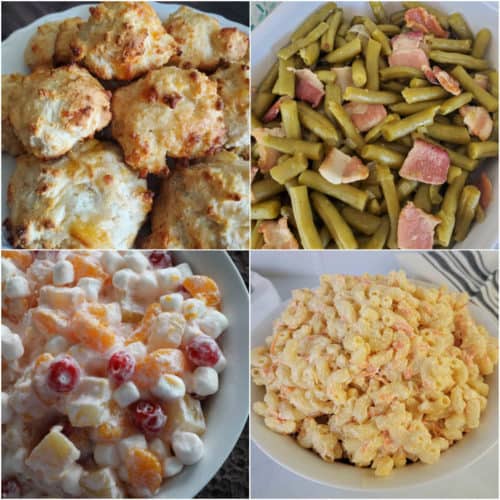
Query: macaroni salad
[
  {"x": 375, "y": 370},
  {"x": 105, "y": 358}
]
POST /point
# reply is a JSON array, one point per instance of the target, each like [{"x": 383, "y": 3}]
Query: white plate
[
  {"x": 13, "y": 62},
  {"x": 285, "y": 450},
  {"x": 274, "y": 32}
]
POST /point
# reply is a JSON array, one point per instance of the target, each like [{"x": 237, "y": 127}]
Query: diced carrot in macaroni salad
[{"x": 105, "y": 358}]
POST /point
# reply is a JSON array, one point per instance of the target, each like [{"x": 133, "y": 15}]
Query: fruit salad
[{"x": 106, "y": 359}]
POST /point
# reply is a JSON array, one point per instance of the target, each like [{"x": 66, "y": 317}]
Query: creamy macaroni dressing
[
  {"x": 105, "y": 358},
  {"x": 375, "y": 370}
]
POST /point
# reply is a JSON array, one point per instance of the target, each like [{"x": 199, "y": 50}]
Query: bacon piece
[
  {"x": 365, "y": 116},
  {"x": 426, "y": 163},
  {"x": 416, "y": 228},
  {"x": 482, "y": 80},
  {"x": 308, "y": 87},
  {"x": 339, "y": 168},
  {"x": 414, "y": 58},
  {"x": 268, "y": 157},
  {"x": 446, "y": 81},
  {"x": 274, "y": 110},
  {"x": 478, "y": 121},
  {"x": 421, "y": 20},
  {"x": 429, "y": 74},
  {"x": 408, "y": 41},
  {"x": 344, "y": 77},
  {"x": 484, "y": 185},
  {"x": 277, "y": 235}
]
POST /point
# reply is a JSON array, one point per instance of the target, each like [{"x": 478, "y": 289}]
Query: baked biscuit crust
[
  {"x": 68, "y": 30},
  {"x": 11, "y": 90},
  {"x": 40, "y": 49},
  {"x": 205, "y": 205},
  {"x": 122, "y": 40},
  {"x": 57, "y": 108},
  {"x": 202, "y": 42},
  {"x": 169, "y": 112},
  {"x": 87, "y": 199}
]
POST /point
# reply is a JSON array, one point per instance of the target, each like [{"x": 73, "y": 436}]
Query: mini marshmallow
[
  {"x": 126, "y": 394},
  {"x": 213, "y": 323},
  {"x": 91, "y": 288},
  {"x": 17, "y": 287},
  {"x": 12, "y": 346},
  {"x": 185, "y": 270},
  {"x": 204, "y": 381},
  {"x": 172, "y": 466},
  {"x": 138, "y": 350},
  {"x": 113, "y": 313},
  {"x": 147, "y": 284},
  {"x": 112, "y": 262},
  {"x": 135, "y": 441},
  {"x": 193, "y": 309},
  {"x": 7, "y": 411},
  {"x": 123, "y": 278},
  {"x": 9, "y": 269},
  {"x": 191, "y": 330},
  {"x": 172, "y": 302},
  {"x": 56, "y": 345},
  {"x": 63, "y": 273},
  {"x": 157, "y": 446},
  {"x": 137, "y": 261},
  {"x": 188, "y": 447},
  {"x": 169, "y": 279},
  {"x": 169, "y": 387},
  {"x": 106, "y": 454},
  {"x": 221, "y": 363},
  {"x": 166, "y": 331},
  {"x": 70, "y": 482}
]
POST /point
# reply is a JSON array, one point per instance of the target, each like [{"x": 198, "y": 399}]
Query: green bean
[
  {"x": 374, "y": 207},
  {"x": 326, "y": 75},
  {"x": 343, "y": 29},
  {"x": 455, "y": 103},
  {"x": 302, "y": 212},
  {"x": 389, "y": 29},
  {"x": 340, "y": 41},
  {"x": 261, "y": 102},
  {"x": 344, "y": 120},
  {"x": 358, "y": 73},
  {"x": 325, "y": 236},
  {"x": 255, "y": 122},
  {"x": 478, "y": 150},
  {"x": 447, "y": 212},
  {"x": 382, "y": 61},
  {"x": 459, "y": 26},
  {"x": 310, "y": 54},
  {"x": 361, "y": 221},
  {"x": 312, "y": 150},
  {"x": 264, "y": 189},
  {"x": 349, "y": 51},
  {"x": 289, "y": 169},
  {"x": 467, "y": 205},
  {"x": 287, "y": 211},
  {"x": 269, "y": 79},
  {"x": 404, "y": 188},
  {"x": 377, "y": 241},
  {"x": 449, "y": 45},
  {"x": 374, "y": 133},
  {"x": 300, "y": 43},
  {"x": 290, "y": 119},
  {"x": 395, "y": 146},
  {"x": 422, "y": 199},
  {"x": 434, "y": 194},
  {"x": 378, "y": 12},
  {"x": 328, "y": 38},
  {"x": 448, "y": 133},
  {"x": 397, "y": 17},
  {"x": 480, "y": 214},
  {"x": 257, "y": 239},
  {"x": 313, "y": 20},
  {"x": 440, "y": 16},
  {"x": 285, "y": 84},
  {"x": 386, "y": 180},
  {"x": 384, "y": 156},
  {"x": 333, "y": 93},
  {"x": 372, "y": 54},
  {"x": 373, "y": 190},
  {"x": 464, "y": 60},
  {"x": 269, "y": 209},
  {"x": 457, "y": 119},
  {"x": 370, "y": 96},
  {"x": 411, "y": 96},
  {"x": 493, "y": 82},
  {"x": 417, "y": 83},
  {"x": 381, "y": 38},
  {"x": 317, "y": 123},
  {"x": 350, "y": 195},
  {"x": 393, "y": 86},
  {"x": 393, "y": 131},
  {"x": 339, "y": 229},
  {"x": 363, "y": 20},
  {"x": 482, "y": 96},
  {"x": 453, "y": 173},
  {"x": 400, "y": 72}
]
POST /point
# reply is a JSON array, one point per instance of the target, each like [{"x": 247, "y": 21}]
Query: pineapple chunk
[
  {"x": 67, "y": 299},
  {"x": 90, "y": 235},
  {"x": 166, "y": 331},
  {"x": 86, "y": 405},
  {"x": 101, "y": 483},
  {"x": 184, "y": 414}
]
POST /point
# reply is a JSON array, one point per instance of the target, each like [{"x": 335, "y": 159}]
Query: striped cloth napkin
[{"x": 259, "y": 11}]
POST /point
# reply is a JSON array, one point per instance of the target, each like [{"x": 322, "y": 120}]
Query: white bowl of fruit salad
[{"x": 118, "y": 371}]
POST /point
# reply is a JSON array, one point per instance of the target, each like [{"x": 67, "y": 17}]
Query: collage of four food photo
[{"x": 250, "y": 249}]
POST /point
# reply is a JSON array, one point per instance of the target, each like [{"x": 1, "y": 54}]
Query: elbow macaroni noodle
[{"x": 375, "y": 370}]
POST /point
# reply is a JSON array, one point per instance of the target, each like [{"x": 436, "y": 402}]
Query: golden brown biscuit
[
  {"x": 202, "y": 41},
  {"x": 11, "y": 89},
  {"x": 87, "y": 199},
  {"x": 68, "y": 30},
  {"x": 57, "y": 108},
  {"x": 233, "y": 84},
  {"x": 122, "y": 40},
  {"x": 40, "y": 49},
  {"x": 205, "y": 205},
  {"x": 169, "y": 112}
]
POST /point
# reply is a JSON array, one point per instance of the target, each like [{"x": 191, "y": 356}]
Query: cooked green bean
[
  {"x": 397, "y": 17},
  {"x": 386, "y": 180},
  {"x": 453, "y": 173},
  {"x": 309, "y": 236},
  {"x": 404, "y": 188},
  {"x": 486, "y": 149},
  {"x": 467, "y": 205},
  {"x": 340, "y": 41},
  {"x": 384, "y": 156},
  {"x": 374, "y": 207},
  {"x": 422, "y": 199},
  {"x": 373, "y": 190},
  {"x": 464, "y": 60},
  {"x": 255, "y": 122},
  {"x": 370, "y": 96},
  {"x": 317, "y": 123},
  {"x": 287, "y": 211},
  {"x": 349, "y": 51},
  {"x": 393, "y": 86},
  {"x": 328, "y": 37},
  {"x": 395, "y": 130},
  {"x": 448, "y": 133},
  {"x": 264, "y": 189},
  {"x": 344, "y": 120},
  {"x": 389, "y": 29},
  {"x": 310, "y": 54},
  {"x": 313, "y": 20},
  {"x": 434, "y": 194},
  {"x": 261, "y": 102},
  {"x": 325, "y": 236},
  {"x": 290, "y": 119},
  {"x": 414, "y": 95},
  {"x": 482, "y": 96},
  {"x": 381, "y": 38},
  {"x": 257, "y": 239},
  {"x": 455, "y": 103},
  {"x": 358, "y": 73},
  {"x": 339, "y": 229},
  {"x": 372, "y": 54},
  {"x": 343, "y": 29},
  {"x": 361, "y": 221},
  {"x": 400, "y": 72},
  {"x": 350, "y": 195},
  {"x": 285, "y": 84},
  {"x": 374, "y": 133},
  {"x": 493, "y": 82},
  {"x": 449, "y": 45},
  {"x": 377, "y": 241},
  {"x": 459, "y": 26},
  {"x": 269, "y": 209},
  {"x": 269, "y": 79},
  {"x": 417, "y": 83},
  {"x": 395, "y": 146},
  {"x": 378, "y": 12},
  {"x": 326, "y": 75},
  {"x": 312, "y": 150},
  {"x": 289, "y": 168},
  {"x": 300, "y": 43},
  {"x": 480, "y": 215},
  {"x": 333, "y": 93}
]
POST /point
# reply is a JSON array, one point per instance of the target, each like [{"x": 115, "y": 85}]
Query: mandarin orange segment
[
  {"x": 142, "y": 332},
  {"x": 47, "y": 321},
  {"x": 92, "y": 333},
  {"x": 85, "y": 269},
  {"x": 21, "y": 259},
  {"x": 203, "y": 288},
  {"x": 144, "y": 470},
  {"x": 170, "y": 361}
]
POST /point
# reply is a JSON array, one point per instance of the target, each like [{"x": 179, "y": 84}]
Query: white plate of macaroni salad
[
  {"x": 375, "y": 382},
  {"x": 117, "y": 372}
]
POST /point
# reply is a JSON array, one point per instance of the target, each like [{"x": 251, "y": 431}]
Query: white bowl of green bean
[{"x": 462, "y": 226}]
